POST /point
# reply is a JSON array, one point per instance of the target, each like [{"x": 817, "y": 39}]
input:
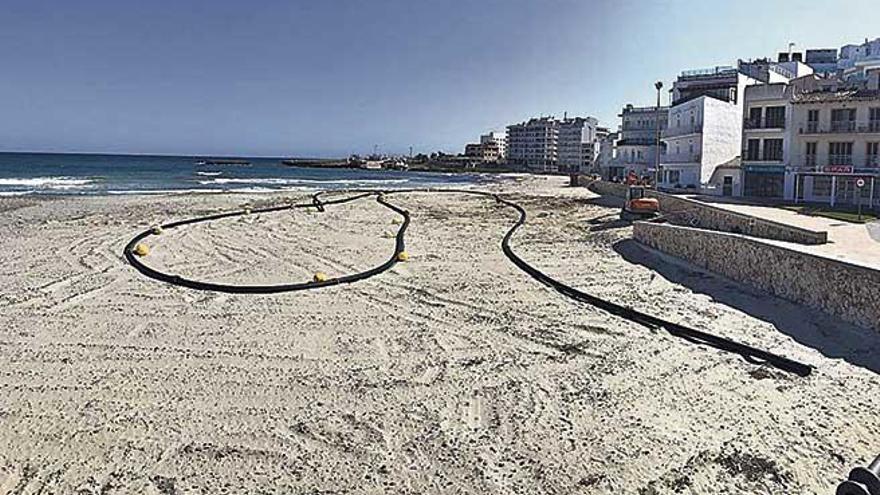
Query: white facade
[
  {"x": 766, "y": 147},
  {"x": 703, "y": 133},
  {"x": 532, "y": 145},
  {"x": 835, "y": 142},
  {"x": 705, "y": 127},
  {"x": 576, "y": 149},
  {"x": 607, "y": 157},
  {"x": 637, "y": 146}
]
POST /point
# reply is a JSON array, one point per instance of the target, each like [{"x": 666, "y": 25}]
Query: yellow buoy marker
[
  {"x": 157, "y": 230},
  {"x": 403, "y": 256},
  {"x": 395, "y": 221},
  {"x": 320, "y": 277},
  {"x": 141, "y": 250}
]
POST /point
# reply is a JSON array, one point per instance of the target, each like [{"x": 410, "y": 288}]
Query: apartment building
[
  {"x": 577, "y": 146},
  {"x": 533, "y": 145},
  {"x": 704, "y": 128},
  {"x": 835, "y": 133},
  {"x": 492, "y": 148},
  {"x": 765, "y": 147},
  {"x": 606, "y": 160},
  {"x": 637, "y": 146},
  {"x": 857, "y": 60}
]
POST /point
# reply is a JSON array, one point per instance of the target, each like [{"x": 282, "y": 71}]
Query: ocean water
[{"x": 49, "y": 173}]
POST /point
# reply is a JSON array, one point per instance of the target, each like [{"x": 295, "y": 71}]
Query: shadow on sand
[{"x": 831, "y": 336}]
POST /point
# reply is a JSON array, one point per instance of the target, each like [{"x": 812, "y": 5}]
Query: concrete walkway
[{"x": 855, "y": 243}]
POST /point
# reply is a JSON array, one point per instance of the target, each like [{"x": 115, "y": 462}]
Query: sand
[{"x": 453, "y": 373}]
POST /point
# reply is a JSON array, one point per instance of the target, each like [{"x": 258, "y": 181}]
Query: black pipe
[{"x": 751, "y": 354}]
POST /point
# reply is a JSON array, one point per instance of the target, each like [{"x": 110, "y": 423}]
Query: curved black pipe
[{"x": 749, "y": 353}]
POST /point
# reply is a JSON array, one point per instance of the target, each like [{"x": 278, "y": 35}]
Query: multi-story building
[
  {"x": 532, "y": 145},
  {"x": 494, "y": 146},
  {"x": 637, "y": 146},
  {"x": 577, "y": 148},
  {"x": 705, "y": 128},
  {"x": 823, "y": 60},
  {"x": 835, "y": 147},
  {"x": 765, "y": 147},
  {"x": 607, "y": 160},
  {"x": 491, "y": 148},
  {"x": 856, "y": 61}
]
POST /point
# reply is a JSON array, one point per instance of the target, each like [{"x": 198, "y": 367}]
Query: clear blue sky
[{"x": 331, "y": 77}]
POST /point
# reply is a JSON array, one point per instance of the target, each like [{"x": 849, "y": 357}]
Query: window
[
  {"x": 772, "y": 149},
  {"x": 812, "y": 120},
  {"x": 874, "y": 120},
  {"x": 822, "y": 185},
  {"x": 810, "y": 155},
  {"x": 752, "y": 149},
  {"x": 775, "y": 117},
  {"x": 754, "y": 117},
  {"x": 840, "y": 153},
  {"x": 872, "y": 155},
  {"x": 843, "y": 120}
]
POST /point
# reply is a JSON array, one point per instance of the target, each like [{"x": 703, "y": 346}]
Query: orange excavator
[{"x": 638, "y": 206}]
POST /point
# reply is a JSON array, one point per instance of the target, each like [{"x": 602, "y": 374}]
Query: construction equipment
[{"x": 638, "y": 206}]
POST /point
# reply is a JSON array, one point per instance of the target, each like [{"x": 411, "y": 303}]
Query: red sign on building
[{"x": 838, "y": 169}]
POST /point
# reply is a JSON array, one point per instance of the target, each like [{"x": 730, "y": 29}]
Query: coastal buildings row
[
  {"x": 543, "y": 144},
  {"x": 800, "y": 128}
]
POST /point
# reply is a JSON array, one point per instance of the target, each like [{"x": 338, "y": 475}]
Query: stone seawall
[
  {"x": 850, "y": 292},
  {"x": 692, "y": 213}
]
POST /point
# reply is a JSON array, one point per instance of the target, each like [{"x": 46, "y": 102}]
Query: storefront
[
  {"x": 838, "y": 186},
  {"x": 763, "y": 181}
]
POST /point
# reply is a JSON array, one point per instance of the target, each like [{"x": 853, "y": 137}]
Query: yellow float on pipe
[
  {"x": 157, "y": 230},
  {"x": 320, "y": 277},
  {"x": 141, "y": 250},
  {"x": 403, "y": 256}
]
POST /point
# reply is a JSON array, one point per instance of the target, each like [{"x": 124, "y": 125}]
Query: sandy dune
[{"x": 453, "y": 373}]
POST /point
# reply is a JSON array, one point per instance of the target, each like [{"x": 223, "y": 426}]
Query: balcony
[
  {"x": 840, "y": 160},
  {"x": 682, "y": 130},
  {"x": 840, "y": 127},
  {"x": 764, "y": 124},
  {"x": 843, "y": 126},
  {"x": 682, "y": 159}
]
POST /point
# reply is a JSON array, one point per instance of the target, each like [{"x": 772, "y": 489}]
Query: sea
[{"x": 87, "y": 174}]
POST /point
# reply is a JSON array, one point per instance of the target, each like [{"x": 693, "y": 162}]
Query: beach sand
[{"x": 452, "y": 373}]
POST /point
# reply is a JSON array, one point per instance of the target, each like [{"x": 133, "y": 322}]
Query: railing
[
  {"x": 682, "y": 130},
  {"x": 840, "y": 127},
  {"x": 712, "y": 71},
  {"x": 764, "y": 123},
  {"x": 843, "y": 126},
  {"x": 782, "y": 71},
  {"x": 682, "y": 158},
  {"x": 840, "y": 160},
  {"x": 872, "y": 161}
]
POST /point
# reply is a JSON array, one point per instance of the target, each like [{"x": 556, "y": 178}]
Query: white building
[
  {"x": 577, "y": 148},
  {"x": 532, "y": 145},
  {"x": 492, "y": 148},
  {"x": 637, "y": 147},
  {"x": 765, "y": 152},
  {"x": 705, "y": 129},
  {"x": 607, "y": 156},
  {"x": 857, "y": 59},
  {"x": 835, "y": 133}
]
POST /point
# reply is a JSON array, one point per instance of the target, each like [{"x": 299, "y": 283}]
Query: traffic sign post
[{"x": 860, "y": 183}]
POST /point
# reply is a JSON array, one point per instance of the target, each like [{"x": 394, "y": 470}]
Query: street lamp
[{"x": 659, "y": 86}]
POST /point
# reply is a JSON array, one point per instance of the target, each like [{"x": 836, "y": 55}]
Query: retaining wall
[
  {"x": 850, "y": 292},
  {"x": 688, "y": 212}
]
